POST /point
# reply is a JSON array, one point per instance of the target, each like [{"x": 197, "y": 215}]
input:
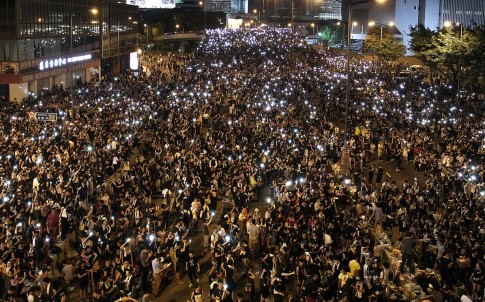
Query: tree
[
  {"x": 421, "y": 38},
  {"x": 156, "y": 33},
  {"x": 327, "y": 34},
  {"x": 452, "y": 53},
  {"x": 156, "y": 30},
  {"x": 476, "y": 55},
  {"x": 455, "y": 52},
  {"x": 384, "y": 45}
]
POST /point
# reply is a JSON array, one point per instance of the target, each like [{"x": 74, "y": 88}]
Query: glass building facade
[
  {"x": 37, "y": 36},
  {"x": 469, "y": 13}
]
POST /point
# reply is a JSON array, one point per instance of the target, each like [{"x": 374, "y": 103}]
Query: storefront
[
  {"x": 65, "y": 43},
  {"x": 19, "y": 86}
]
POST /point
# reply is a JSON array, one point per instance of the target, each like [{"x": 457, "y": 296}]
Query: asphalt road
[
  {"x": 181, "y": 292},
  {"x": 174, "y": 292}
]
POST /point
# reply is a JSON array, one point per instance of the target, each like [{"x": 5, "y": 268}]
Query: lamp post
[
  {"x": 391, "y": 25},
  {"x": 264, "y": 11},
  {"x": 118, "y": 39},
  {"x": 350, "y": 3},
  {"x": 71, "y": 33},
  {"x": 139, "y": 52},
  {"x": 362, "y": 37},
  {"x": 448, "y": 24},
  {"x": 372, "y": 23},
  {"x": 146, "y": 31},
  {"x": 205, "y": 14},
  {"x": 343, "y": 33},
  {"x": 259, "y": 15},
  {"x": 313, "y": 30},
  {"x": 177, "y": 27}
]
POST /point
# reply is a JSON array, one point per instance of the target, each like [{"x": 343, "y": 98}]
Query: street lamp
[
  {"x": 146, "y": 30},
  {"x": 361, "y": 33},
  {"x": 350, "y": 3},
  {"x": 205, "y": 14},
  {"x": 313, "y": 29},
  {"x": 449, "y": 24},
  {"x": 259, "y": 14},
  {"x": 372, "y": 23},
  {"x": 139, "y": 52}
]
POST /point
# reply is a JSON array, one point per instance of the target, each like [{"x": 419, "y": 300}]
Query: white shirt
[
  {"x": 465, "y": 298},
  {"x": 156, "y": 266},
  {"x": 35, "y": 184}
]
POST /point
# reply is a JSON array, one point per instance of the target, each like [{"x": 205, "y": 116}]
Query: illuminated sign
[
  {"x": 59, "y": 62},
  {"x": 152, "y": 3},
  {"x": 133, "y": 61},
  {"x": 46, "y": 117}
]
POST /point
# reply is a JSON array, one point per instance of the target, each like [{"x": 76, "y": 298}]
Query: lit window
[{"x": 459, "y": 12}]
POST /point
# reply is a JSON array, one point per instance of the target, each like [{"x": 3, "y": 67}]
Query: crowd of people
[{"x": 236, "y": 158}]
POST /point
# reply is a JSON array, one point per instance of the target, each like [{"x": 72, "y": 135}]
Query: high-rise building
[
  {"x": 324, "y": 9},
  {"x": 435, "y": 13},
  {"x": 284, "y": 8},
  {"x": 330, "y": 10},
  {"x": 221, "y": 6},
  {"x": 229, "y": 6},
  {"x": 44, "y": 43},
  {"x": 406, "y": 13},
  {"x": 469, "y": 13},
  {"x": 239, "y": 6}
]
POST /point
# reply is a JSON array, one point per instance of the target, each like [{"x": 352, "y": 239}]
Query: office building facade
[
  {"x": 406, "y": 13},
  {"x": 469, "y": 13},
  {"x": 228, "y": 6},
  {"x": 324, "y": 9},
  {"x": 44, "y": 43}
]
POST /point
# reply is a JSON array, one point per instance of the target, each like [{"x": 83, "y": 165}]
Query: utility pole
[{"x": 292, "y": 12}]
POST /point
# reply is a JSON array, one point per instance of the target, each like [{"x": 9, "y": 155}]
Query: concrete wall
[
  {"x": 431, "y": 14},
  {"x": 407, "y": 14}
]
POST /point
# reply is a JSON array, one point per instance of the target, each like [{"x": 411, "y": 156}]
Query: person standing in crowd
[
  {"x": 380, "y": 173},
  {"x": 157, "y": 271},
  {"x": 407, "y": 251},
  {"x": 275, "y": 117},
  {"x": 253, "y": 233},
  {"x": 192, "y": 267},
  {"x": 145, "y": 261}
]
